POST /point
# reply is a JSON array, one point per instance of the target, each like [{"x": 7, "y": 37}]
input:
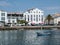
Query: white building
[
  {"x": 34, "y": 16},
  {"x": 3, "y": 16},
  {"x": 12, "y": 18},
  {"x": 56, "y": 18}
]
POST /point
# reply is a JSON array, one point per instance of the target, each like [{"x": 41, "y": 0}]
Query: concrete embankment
[{"x": 28, "y": 27}]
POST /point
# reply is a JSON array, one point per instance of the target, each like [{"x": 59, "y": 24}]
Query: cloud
[
  {"x": 4, "y": 3},
  {"x": 52, "y": 8}
]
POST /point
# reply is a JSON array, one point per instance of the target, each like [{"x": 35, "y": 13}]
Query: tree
[
  {"x": 49, "y": 18},
  {"x": 22, "y": 21}
]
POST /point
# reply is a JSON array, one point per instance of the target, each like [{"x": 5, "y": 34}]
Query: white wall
[
  {"x": 4, "y": 16},
  {"x": 35, "y": 12},
  {"x": 56, "y": 20},
  {"x": 14, "y": 18},
  {"x": 11, "y": 19}
]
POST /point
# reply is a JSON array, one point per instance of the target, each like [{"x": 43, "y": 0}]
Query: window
[
  {"x": 13, "y": 21},
  {"x": 8, "y": 17},
  {"x": 3, "y": 18},
  {"x": 31, "y": 17},
  {"x": 34, "y": 12},
  {"x": 25, "y": 17},
  {"x": 8, "y": 21},
  {"x": 41, "y": 17},
  {"x": 28, "y": 17},
  {"x": 39, "y": 12},
  {"x": 36, "y": 17},
  {"x": 2, "y": 14}
]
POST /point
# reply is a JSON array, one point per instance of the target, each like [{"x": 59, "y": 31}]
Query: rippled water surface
[{"x": 30, "y": 37}]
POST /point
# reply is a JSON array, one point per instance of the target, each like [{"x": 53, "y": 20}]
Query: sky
[{"x": 48, "y": 6}]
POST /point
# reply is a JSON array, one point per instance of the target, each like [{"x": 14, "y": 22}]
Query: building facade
[
  {"x": 3, "y": 16},
  {"x": 13, "y": 17},
  {"x": 56, "y": 18},
  {"x": 10, "y": 18},
  {"x": 34, "y": 16}
]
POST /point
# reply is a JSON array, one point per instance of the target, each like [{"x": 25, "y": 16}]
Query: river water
[{"x": 29, "y": 37}]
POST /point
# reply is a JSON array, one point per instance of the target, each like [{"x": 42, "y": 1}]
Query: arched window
[
  {"x": 31, "y": 17},
  {"x": 28, "y": 17},
  {"x": 25, "y": 17},
  {"x": 42, "y": 18},
  {"x": 36, "y": 18}
]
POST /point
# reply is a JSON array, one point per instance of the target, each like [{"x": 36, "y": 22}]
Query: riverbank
[{"x": 29, "y": 27}]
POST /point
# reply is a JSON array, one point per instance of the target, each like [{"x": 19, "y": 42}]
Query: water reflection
[
  {"x": 29, "y": 37},
  {"x": 11, "y": 37}
]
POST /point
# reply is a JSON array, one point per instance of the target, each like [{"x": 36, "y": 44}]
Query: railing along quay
[{"x": 28, "y": 27}]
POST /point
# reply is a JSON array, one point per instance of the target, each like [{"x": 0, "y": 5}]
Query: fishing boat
[{"x": 43, "y": 33}]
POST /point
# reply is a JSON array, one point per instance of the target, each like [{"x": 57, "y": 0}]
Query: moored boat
[{"x": 43, "y": 34}]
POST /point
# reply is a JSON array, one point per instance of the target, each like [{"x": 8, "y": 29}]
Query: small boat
[{"x": 43, "y": 34}]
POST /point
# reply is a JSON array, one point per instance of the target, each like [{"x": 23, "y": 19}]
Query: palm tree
[{"x": 49, "y": 18}]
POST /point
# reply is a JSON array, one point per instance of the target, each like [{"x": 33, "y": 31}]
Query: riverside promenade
[{"x": 28, "y": 27}]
